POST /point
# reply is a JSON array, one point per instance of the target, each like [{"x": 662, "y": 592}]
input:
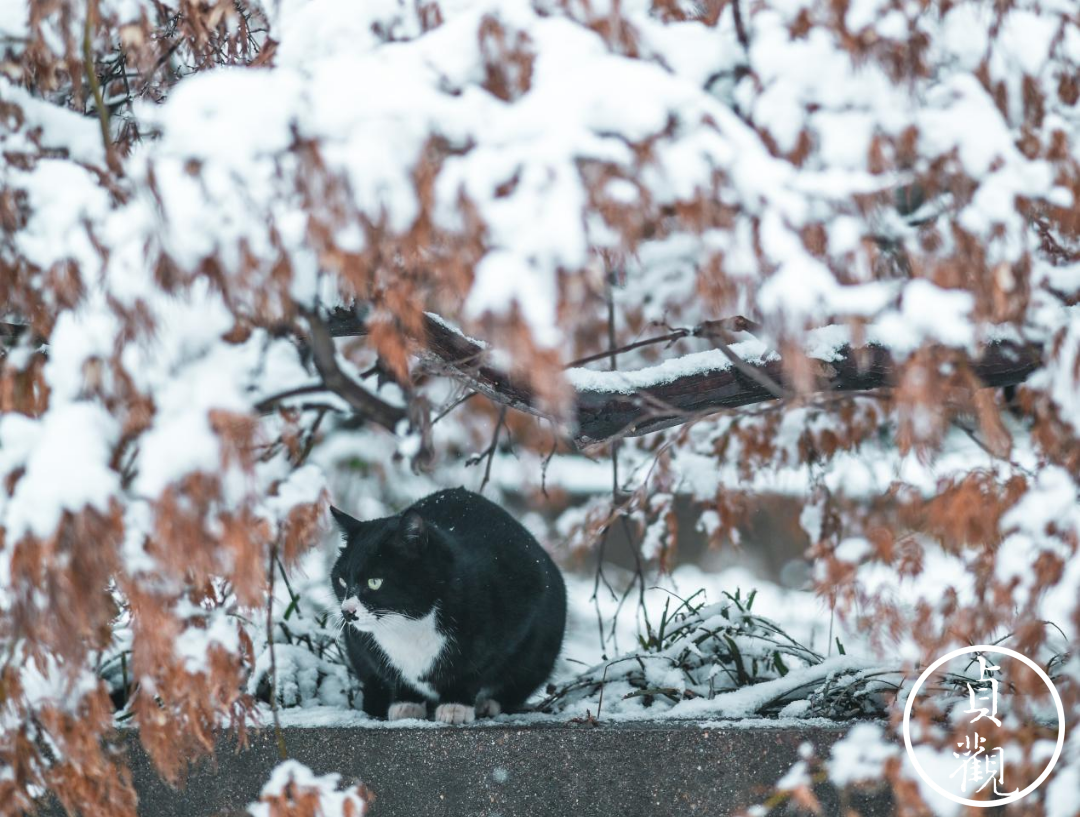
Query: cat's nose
[{"x": 349, "y": 607}]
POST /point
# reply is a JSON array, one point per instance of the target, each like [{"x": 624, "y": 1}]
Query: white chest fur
[{"x": 412, "y": 646}]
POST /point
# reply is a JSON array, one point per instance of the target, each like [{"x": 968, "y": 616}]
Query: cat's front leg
[
  {"x": 452, "y": 706},
  {"x": 455, "y": 713},
  {"x": 407, "y": 705},
  {"x": 407, "y": 710},
  {"x": 376, "y": 697},
  {"x": 456, "y": 701}
]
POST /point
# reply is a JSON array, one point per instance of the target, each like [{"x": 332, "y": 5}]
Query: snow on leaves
[
  {"x": 869, "y": 181},
  {"x": 295, "y": 791}
]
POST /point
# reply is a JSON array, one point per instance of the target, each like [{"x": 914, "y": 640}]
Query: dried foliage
[{"x": 294, "y": 791}]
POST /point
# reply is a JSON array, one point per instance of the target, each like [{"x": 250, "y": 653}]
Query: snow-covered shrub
[
  {"x": 699, "y": 653},
  {"x": 308, "y": 660},
  {"x": 255, "y": 255}
]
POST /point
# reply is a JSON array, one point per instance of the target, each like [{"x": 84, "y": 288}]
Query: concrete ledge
[{"x": 513, "y": 771}]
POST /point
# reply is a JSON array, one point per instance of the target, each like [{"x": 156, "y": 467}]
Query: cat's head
[{"x": 387, "y": 567}]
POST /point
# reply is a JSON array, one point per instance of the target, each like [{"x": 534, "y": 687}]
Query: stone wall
[{"x": 621, "y": 770}]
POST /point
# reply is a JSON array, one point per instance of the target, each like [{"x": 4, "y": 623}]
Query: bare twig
[
  {"x": 639, "y": 574},
  {"x": 95, "y": 86},
  {"x": 704, "y": 329},
  {"x": 310, "y": 444},
  {"x": 489, "y": 452},
  {"x": 280, "y": 736},
  {"x": 547, "y": 461},
  {"x": 598, "y": 579},
  {"x": 670, "y": 337},
  {"x": 269, "y": 403},
  {"x": 463, "y": 399},
  {"x": 740, "y": 26},
  {"x": 603, "y": 686},
  {"x": 757, "y": 375}
]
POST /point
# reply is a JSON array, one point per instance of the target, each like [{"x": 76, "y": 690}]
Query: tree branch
[
  {"x": 450, "y": 353},
  {"x": 95, "y": 87},
  {"x": 604, "y": 413},
  {"x": 10, "y": 333},
  {"x": 334, "y": 379},
  {"x": 12, "y": 330}
]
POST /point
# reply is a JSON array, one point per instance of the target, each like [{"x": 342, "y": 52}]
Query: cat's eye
[
  {"x": 341, "y": 581},
  {"x": 374, "y": 584}
]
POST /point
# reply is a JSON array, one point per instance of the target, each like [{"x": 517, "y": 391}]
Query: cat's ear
[
  {"x": 344, "y": 522},
  {"x": 413, "y": 532}
]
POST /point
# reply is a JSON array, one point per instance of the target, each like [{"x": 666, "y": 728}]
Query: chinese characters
[{"x": 980, "y": 766}]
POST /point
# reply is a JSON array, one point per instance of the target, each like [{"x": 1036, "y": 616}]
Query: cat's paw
[
  {"x": 455, "y": 713},
  {"x": 406, "y": 709},
  {"x": 488, "y": 709}
]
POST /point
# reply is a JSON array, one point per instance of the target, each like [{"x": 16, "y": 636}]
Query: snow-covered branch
[{"x": 613, "y": 404}]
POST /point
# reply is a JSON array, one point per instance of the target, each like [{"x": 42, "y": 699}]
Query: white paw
[
  {"x": 488, "y": 709},
  {"x": 406, "y": 709},
  {"x": 455, "y": 713}
]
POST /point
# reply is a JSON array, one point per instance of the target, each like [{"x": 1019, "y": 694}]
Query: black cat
[{"x": 451, "y": 601}]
